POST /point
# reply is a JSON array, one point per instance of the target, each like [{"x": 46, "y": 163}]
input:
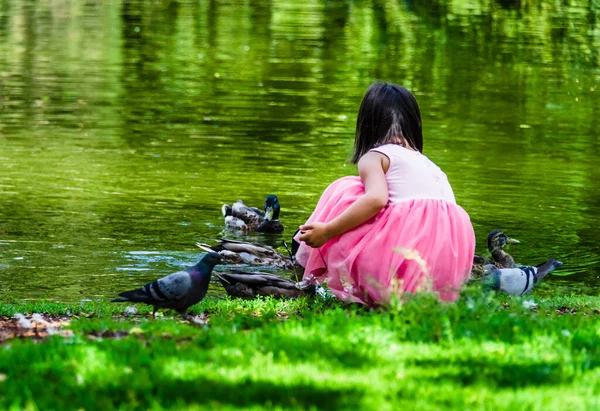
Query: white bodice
[{"x": 412, "y": 175}]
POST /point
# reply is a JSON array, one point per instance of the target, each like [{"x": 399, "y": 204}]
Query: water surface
[{"x": 125, "y": 125}]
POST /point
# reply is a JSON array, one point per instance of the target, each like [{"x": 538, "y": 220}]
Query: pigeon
[
  {"x": 519, "y": 280},
  {"x": 177, "y": 291}
]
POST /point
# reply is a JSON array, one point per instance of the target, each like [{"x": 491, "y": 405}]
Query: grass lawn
[{"x": 487, "y": 351}]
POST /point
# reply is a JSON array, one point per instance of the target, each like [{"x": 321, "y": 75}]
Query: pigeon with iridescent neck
[{"x": 177, "y": 291}]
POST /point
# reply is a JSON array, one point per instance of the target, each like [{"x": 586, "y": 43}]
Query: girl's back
[{"x": 411, "y": 175}]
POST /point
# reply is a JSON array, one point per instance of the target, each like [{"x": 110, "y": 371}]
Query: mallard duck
[
  {"x": 242, "y": 252},
  {"x": 518, "y": 280},
  {"x": 496, "y": 241},
  {"x": 244, "y": 218},
  {"x": 252, "y": 284}
]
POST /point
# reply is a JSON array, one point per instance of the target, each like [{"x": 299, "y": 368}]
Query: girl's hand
[
  {"x": 315, "y": 234},
  {"x": 371, "y": 168}
]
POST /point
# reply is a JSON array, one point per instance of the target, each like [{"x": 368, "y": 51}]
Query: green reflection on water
[{"x": 125, "y": 125}]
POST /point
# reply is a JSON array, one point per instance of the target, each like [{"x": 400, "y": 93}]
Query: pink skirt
[{"x": 415, "y": 245}]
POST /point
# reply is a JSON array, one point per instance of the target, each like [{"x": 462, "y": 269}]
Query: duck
[
  {"x": 249, "y": 285},
  {"x": 518, "y": 280},
  {"x": 241, "y": 217},
  {"x": 243, "y": 252},
  {"x": 496, "y": 241}
]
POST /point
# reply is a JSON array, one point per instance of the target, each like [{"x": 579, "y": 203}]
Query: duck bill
[
  {"x": 512, "y": 240},
  {"x": 268, "y": 213}
]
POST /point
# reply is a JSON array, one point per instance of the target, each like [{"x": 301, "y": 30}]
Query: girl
[{"x": 397, "y": 227}]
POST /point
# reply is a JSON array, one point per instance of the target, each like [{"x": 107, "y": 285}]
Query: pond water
[{"x": 124, "y": 125}]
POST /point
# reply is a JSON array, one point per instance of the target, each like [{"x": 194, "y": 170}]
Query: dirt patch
[
  {"x": 36, "y": 326},
  {"x": 39, "y": 326}
]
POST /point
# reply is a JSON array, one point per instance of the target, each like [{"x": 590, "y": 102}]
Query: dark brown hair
[{"x": 387, "y": 112}]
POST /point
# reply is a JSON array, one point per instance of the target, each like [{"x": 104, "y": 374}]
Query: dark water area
[{"x": 124, "y": 125}]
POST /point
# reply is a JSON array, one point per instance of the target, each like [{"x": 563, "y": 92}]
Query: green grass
[{"x": 487, "y": 351}]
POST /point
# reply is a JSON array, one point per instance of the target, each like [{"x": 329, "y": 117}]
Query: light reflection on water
[{"x": 125, "y": 126}]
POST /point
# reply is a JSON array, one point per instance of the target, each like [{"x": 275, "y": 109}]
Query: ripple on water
[{"x": 147, "y": 260}]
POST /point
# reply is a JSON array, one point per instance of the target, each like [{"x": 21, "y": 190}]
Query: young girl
[{"x": 397, "y": 227}]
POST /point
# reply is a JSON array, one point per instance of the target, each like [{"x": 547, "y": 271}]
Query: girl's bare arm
[{"x": 371, "y": 168}]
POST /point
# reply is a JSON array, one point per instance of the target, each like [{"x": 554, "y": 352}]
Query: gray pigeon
[
  {"x": 177, "y": 291},
  {"x": 519, "y": 280}
]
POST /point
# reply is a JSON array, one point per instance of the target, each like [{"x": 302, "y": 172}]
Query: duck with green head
[{"x": 244, "y": 218}]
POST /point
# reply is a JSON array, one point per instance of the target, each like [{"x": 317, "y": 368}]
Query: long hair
[{"x": 387, "y": 113}]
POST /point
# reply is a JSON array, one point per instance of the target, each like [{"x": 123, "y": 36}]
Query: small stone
[
  {"x": 22, "y": 320},
  {"x": 37, "y": 317},
  {"x": 130, "y": 310}
]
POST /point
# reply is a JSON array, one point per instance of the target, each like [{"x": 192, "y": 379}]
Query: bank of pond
[{"x": 487, "y": 350}]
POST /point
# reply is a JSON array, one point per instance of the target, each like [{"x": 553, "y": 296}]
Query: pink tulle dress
[{"x": 421, "y": 241}]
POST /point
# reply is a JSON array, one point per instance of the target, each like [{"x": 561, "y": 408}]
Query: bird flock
[
  {"x": 503, "y": 273},
  {"x": 180, "y": 290}
]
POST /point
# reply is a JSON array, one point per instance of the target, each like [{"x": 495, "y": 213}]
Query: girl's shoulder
[
  {"x": 406, "y": 156},
  {"x": 395, "y": 151}
]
